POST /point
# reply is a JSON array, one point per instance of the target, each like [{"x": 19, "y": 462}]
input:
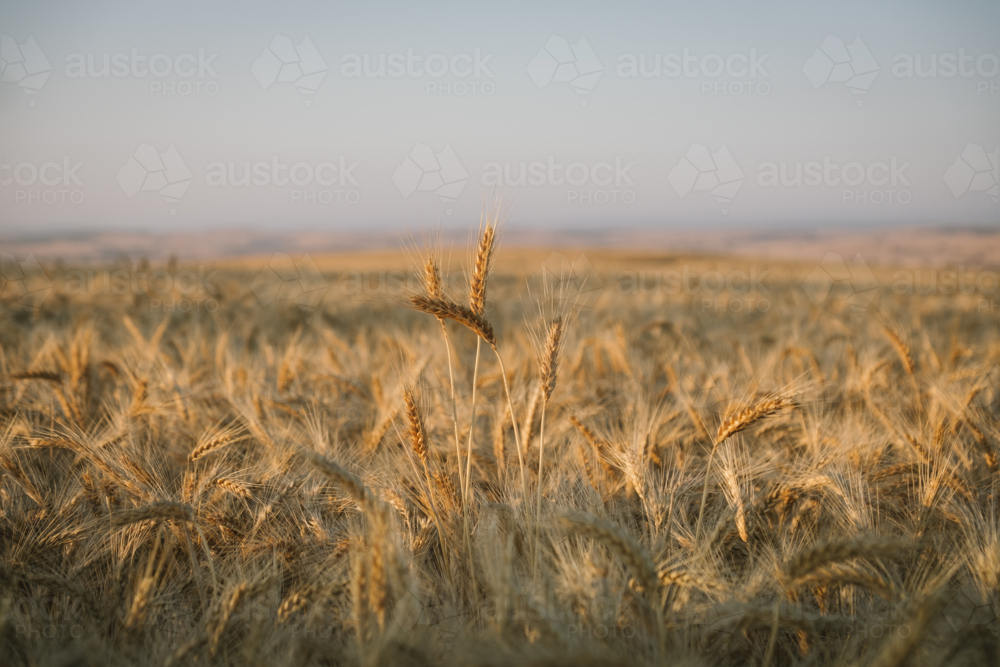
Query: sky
[{"x": 187, "y": 116}]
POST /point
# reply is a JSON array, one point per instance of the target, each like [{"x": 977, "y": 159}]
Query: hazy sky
[{"x": 194, "y": 115}]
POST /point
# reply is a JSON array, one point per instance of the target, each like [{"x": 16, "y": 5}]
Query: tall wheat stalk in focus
[
  {"x": 730, "y": 426},
  {"x": 547, "y": 381}
]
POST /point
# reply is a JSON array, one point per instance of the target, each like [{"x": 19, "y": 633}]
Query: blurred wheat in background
[{"x": 633, "y": 479}]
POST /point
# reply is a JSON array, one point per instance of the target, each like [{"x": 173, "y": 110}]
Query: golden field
[{"x": 684, "y": 460}]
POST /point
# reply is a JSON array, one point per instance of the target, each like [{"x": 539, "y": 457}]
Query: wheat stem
[
  {"x": 732, "y": 425},
  {"x": 513, "y": 422},
  {"x": 454, "y": 403},
  {"x": 538, "y": 509}
]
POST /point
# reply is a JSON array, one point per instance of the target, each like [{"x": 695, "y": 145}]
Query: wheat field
[{"x": 494, "y": 456}]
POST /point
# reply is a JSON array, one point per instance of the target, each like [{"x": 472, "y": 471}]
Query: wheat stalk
[
  {"x": 434, "y": 288},
  {"x": 902, "y": 349},
  {"x": 529, "y": 416},
  {"x": 418, "y": 440},
  {"x": 633, "y": 555},
  {"x": 843, "y": 574},
  {"x": 733, "y": 424},
  {"x": 49, "y": 376},
  {"x": 212, "y": 441},
  {"x": 351, "y": 483},
  {"x": 140, "y": 603},
  {"x": 447, "y": 490},
  {"x": 548, "y": 367},
  {"x": 596, "y": 445},
  {"x": 233, "y": 487},
  {"x": 750, "y": 415},
  {"x": 547, "y": 381},
  {"x": 808, "y": 560},
  {"x": 443, "y": 308},
  {"x": 900, "y": 646},
  {"x": 359, "y": 596},
  {"x": 481, "y": 269},
  {"x": 232, "y": 603},
  {"x": 295, "y": 602},
  {"x": 432, "y": 279},
  {"x": 164, "y": 510}
]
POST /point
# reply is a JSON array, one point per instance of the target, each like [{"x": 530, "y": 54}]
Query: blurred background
[{"x": 248, "y": 125}]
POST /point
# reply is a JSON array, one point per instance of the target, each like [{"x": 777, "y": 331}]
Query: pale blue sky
[{"x": 234, "y": 113}]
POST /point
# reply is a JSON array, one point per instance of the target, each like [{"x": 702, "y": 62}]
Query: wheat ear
[
  {"x": 443, "y": 308},
  {"x": 732, "y": 425},
  {"x": 633, "y": 555},
  {"x": 154, "y": 511},
  {"x": 481, "y": 270},
  {"x": 418, "y": 442},
  {"x": 809, "y": 560},
  {"x": 750, "y": 415},
  {"x": 212, "y": 441},
  {"x": 547, "y": 381},
  {"x": 351, "y": 483}
]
